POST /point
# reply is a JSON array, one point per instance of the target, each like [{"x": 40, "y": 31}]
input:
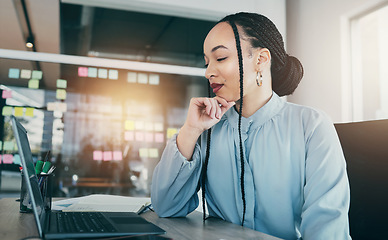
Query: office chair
[{"x": 365, "y": 146}]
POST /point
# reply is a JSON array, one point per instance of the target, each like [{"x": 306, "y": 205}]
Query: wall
[{"x": 314, "y": 35}]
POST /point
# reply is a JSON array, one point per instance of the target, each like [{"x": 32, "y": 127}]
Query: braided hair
[
  {"x": 241, "y": 71},
  {"x": 204, "y": 168},
  {"x": 286, "y": 73}
]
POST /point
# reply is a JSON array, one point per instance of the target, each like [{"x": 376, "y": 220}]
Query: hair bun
[{"x": 286, "y": 80}]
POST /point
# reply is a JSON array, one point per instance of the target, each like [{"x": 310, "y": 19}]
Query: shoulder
[
  {"x": 310, "y": 120},
  {"x": 307, "y": 115}
]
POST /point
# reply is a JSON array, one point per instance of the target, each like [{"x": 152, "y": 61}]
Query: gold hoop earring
[{"x": 259, "y": 79}]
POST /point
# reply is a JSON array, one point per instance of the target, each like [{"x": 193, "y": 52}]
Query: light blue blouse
[{"x": 296, "y": 183}]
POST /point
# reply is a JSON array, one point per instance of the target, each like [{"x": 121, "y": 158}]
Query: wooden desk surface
[{"x": 15, "y": 225}]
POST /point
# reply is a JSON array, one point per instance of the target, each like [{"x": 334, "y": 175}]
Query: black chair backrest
[{"x": 365, "y": 146}]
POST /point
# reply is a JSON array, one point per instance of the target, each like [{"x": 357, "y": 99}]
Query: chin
[{"x": 228, "y": 98}]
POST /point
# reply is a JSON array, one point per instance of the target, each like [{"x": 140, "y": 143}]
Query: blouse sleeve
[
  {"x": 326, "y": 191},
  {"x": 175, "y": 182}
]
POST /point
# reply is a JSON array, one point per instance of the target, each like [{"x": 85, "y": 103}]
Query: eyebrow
[{"x": 216, "y": 48}]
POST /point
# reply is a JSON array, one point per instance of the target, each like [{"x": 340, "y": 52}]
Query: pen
[
  {"x": 47, "y": 156},
  {"x": 144, "y": 208}
]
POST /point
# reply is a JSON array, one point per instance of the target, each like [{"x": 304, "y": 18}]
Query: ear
[{"x": 263, "y": 59}]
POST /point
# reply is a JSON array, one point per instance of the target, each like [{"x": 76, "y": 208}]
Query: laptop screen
[{"x": 34, "y": 200}]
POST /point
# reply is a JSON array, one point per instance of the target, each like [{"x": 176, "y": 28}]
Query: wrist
[
  {"x": 191, "y": 132},
  {"x": 186, "y": 140}
]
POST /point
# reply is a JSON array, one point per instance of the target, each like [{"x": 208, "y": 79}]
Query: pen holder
[{"x": 45, "y": 190}]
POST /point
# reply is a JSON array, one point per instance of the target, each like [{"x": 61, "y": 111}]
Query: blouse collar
[{"x": 265, "y": 113}]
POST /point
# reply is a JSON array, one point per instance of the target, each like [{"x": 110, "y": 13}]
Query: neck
[{"x": 254, "y": 101}]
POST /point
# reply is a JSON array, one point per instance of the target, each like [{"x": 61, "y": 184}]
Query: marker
[
  {"x": 46, "y": 167},
  {"x": 38, "y": 167}
]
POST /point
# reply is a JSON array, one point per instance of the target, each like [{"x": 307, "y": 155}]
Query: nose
[{"x": 210, "y": 72}]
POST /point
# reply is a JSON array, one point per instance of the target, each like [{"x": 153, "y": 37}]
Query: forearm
[
  {"x": 186, "y": 141},
  {"x": 174, "y": 182}
]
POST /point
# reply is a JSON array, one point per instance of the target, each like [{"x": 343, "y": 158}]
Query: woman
[{"x": 261, "y": 162}]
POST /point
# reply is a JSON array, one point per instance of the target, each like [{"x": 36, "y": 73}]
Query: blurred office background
[{"x": 103, "y": 84}]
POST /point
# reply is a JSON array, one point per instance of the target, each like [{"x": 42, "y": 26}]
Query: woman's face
[{"x": 221, "y": 59}]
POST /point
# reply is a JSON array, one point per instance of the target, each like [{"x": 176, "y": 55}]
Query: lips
[{"x": 216, "y": 87}]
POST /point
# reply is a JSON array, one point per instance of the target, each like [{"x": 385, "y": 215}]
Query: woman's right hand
[
  {"x": 206, "y": 112},
  {"x": 203, "y": 114}
]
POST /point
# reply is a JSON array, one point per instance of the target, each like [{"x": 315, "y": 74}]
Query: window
[{"x": 369, "y": 65}]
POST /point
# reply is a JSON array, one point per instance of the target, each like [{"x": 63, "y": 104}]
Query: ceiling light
[{"x": 30, "y": 42}]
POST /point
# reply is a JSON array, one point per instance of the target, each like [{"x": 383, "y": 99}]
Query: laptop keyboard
[{"x": 83, "y": 222}]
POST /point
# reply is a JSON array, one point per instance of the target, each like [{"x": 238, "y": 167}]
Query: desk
[{"x": 15, "y": 225}]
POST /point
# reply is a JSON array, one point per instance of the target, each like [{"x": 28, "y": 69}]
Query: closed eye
[{"x": 218, "y": 60}]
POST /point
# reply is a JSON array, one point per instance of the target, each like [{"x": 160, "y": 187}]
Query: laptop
[{"x": 59, "y": 225}]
